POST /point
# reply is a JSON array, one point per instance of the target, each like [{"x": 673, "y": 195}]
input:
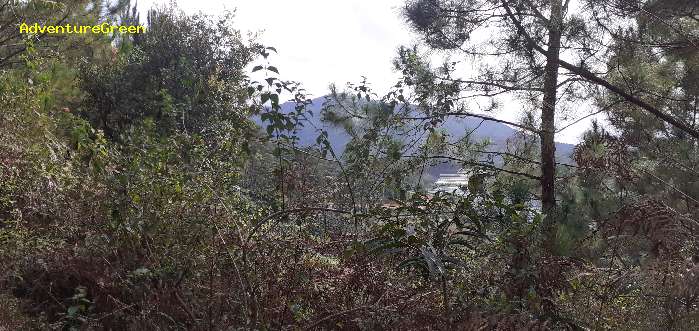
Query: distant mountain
[{"x": 456, "y": 127}]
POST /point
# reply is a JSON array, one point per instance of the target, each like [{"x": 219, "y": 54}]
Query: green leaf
[
  {"x": 273, "y": 68},
  {"x": 257, "y": 68}
]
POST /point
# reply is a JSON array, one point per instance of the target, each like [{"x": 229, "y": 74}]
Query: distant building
[{"x": 451, "y": 183}]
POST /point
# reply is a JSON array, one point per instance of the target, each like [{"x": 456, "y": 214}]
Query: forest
[{"x": 177, "y": 179}]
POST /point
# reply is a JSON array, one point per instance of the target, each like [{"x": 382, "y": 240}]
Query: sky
[{"x": 330, "y": 41}]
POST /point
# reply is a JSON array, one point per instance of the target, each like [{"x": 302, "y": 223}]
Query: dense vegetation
[{"x": 137, "y": 192}]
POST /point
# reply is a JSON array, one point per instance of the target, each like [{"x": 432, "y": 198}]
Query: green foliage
[
  {"x": 80, "y": 307},
  {"x": 437, "y": 232},
  {"x": 186, "y": 74},
  {"x": 267, "y": 93},
  {"x": 136, "y": 193}
]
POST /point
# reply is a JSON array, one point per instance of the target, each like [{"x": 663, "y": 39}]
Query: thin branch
[
  {"x": 591, "y": 77},
  {"x": 490, "y": 83},
  {"x": 604, "y": 109},
  {"x": 628, "y": 97},
  {"x": 483, "y": 165},
  {"x": 483, "y": 117},
  {"x": 537, "y": 13},
  {"x": 521, "y": 158},
  {"x": 261, "y": 222}
]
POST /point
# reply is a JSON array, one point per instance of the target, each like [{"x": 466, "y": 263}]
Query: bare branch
[
  {"x": 482, "y": 165},
  {"x": 270, "y": 217},
  {"x": 483, "y": 117}
]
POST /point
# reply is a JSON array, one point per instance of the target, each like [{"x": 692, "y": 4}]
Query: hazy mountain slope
[{"x": 456, "y": 127}]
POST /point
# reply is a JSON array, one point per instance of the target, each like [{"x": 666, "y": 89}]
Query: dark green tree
[
  {"x": 551, "y": 55},
  {"x": 186, "y": 74}
]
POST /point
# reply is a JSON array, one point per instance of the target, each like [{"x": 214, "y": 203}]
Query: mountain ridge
[{"x": 456, "y": 127}]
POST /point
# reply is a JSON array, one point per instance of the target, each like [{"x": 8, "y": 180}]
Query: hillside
[{"x": 498, "y": 133}]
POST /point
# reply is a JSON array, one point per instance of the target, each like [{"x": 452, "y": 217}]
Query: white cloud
[{"x": 320, "y": 41}]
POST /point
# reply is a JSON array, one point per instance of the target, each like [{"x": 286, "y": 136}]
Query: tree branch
[
  {"x": 261, "y": 222},
  {"x": 483, "y": 117},
  {"x": 591, "y": 77},
  {"x": 478, "y": 164},
  {"x": 628, "y": 97}
]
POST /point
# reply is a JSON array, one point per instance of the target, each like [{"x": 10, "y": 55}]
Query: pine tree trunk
[{"x": 548, "y": 111}]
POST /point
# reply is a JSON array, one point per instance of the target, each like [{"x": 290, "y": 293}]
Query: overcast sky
[{"x": 330, "y": 41}]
